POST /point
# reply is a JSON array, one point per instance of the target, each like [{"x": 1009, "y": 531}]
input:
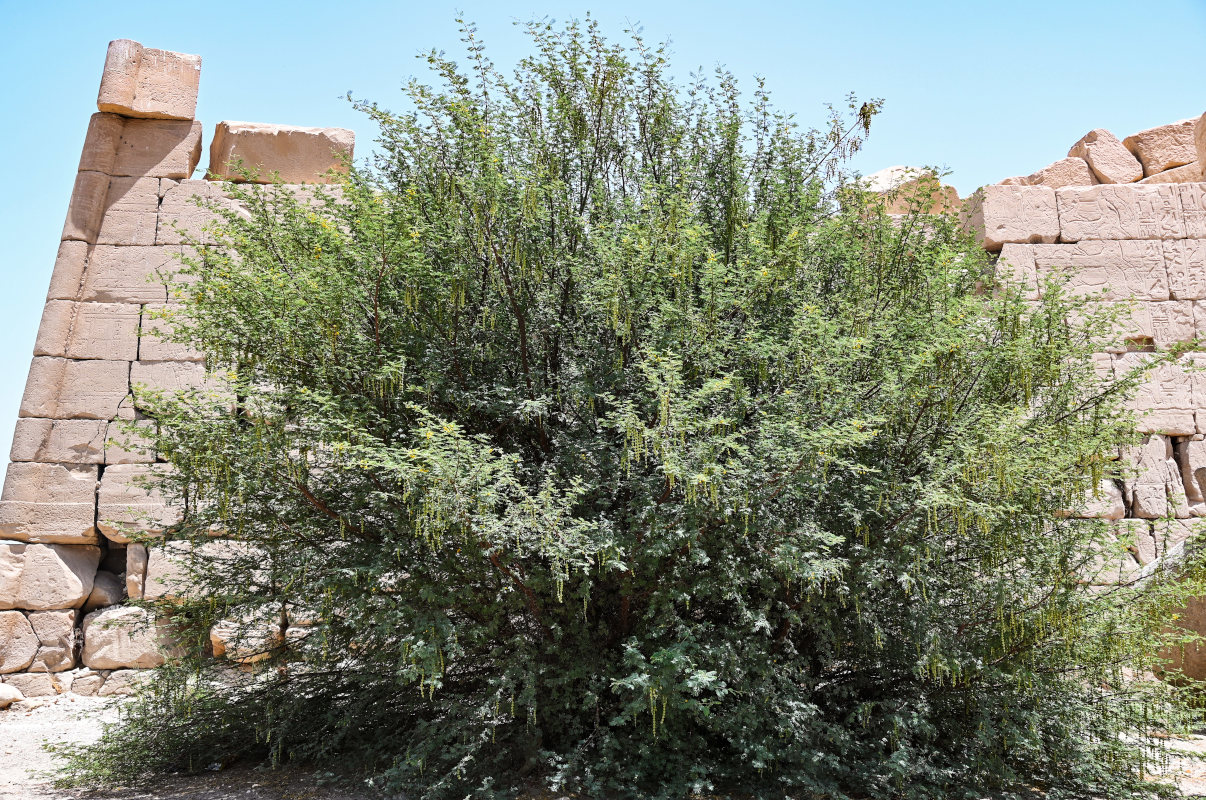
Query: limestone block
[
  {"x": 123, "y": 682},
  {"x": 87, "y": 207},
  {"x": 9, "y": 695},
  {"x": 1104, "y": 503},
  {"x": 1164, "y": 147},
  {"x": 1109, "y": 158},
  {"x": 58, "y": 388},
  {"x": 1115, "y": 562},
  {"x": 1120, "y": 212},
  {"x": 293, "y": 154},
  {"x": 1191, "y": 455},
  {"x": 1137, "y": 534},
  {"x": 246, "y": 642},
  {"x": 1111, "y": 270},
  {"x": 1190, "y": 173},
  {"x": 1162, "y": 324},
  {"x": 157, "y": 331},
  {"x": 56, "y": 638},
  {"x": 37, "y": 684},
  {"x": 1016, "y": 264},
  {"x": 121, "y": 637},
  {"x": 1193, "y": 205},
  {"x": 88, "y": 330},
  {"x": 1199, "y": 138},
  {"x": 1185, "y": 261},
  {"x": 64, "y": 441},
  {"x": 44, "y": 577},
  {"x": 124, "y": 505},
  {"x": 144, "y": 82},
  {"x": 1065, "y": 172},
  {"x": 107, "y": 590},
  {"x": 172, "y": 377},
  {"x": 127, "y": 444},
  {"x": 1169, "y": 533},
  {"x": 1165, "y": 401},
  {"x": 48, "y": 503},
  {"x": 87, "y": 682},
  {"x": 136, "y": 570},
  {"x": 186, "y": 212},
  {"x": 131, "y": 212},
  {"x": 111, "y": 274},
  {"x": 153, "y": 148},
  {"x": 18, "y": 642},
  {"x": 1155, "y": 489},
  {"x": 168, "y": 565},
  {"x": 1018, "y": 214}
]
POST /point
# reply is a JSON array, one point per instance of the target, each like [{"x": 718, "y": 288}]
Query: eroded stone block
[
  {"x": 125, "y": 505},
  {"x": 1199, "y": 138},
  {"x": 1165, "y": 401},
  {"x": 63, "y": 441},
  {"x": 112, "y": 274},
  {"x": 1193, "y": 206},
  {"x": 107, "y": 590},
  {"x": 152, "y": 148},
  {"x": 185, "y": 214},
  {"x": 292, "y": 154},
  {"x": 136, "y": 570},
  {"x": 1185, "y": 260},
  {"x": 144, "y": 82},
  {"x": 88, "y": 330},
  {"x": 1017, "y": 214},
  {"x": 49, "y": 503},
  {"x": 44, "y": 577},
  {"x": 1164, "y": 147},
  {"x": 1109, "y": 158},
  {"x": 157, "y": 332},
  {"x": 59, "y": 388},
  {"x": 18, "y": 642},
  {"x": 1190, "y": 173},
  {"x": 124, "y": 445},
  {"x": 131, "y": 212},
  {"x": 122, "y": 637},
  {"x": 56, "y": 640},
  {"x": 87, "y": 207},
  {"x": 1120, "y": 212},
  {"x": 1111, "y": 270},
  {"x": 1065, "y": 172},
  {"x": 1016, "y": 265}
]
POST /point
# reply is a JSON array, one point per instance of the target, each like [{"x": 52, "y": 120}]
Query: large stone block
[
  {"x": 1190, "y": 173},
  {"x": 172, "y": 377},
  {"x": 89, "y": 330},
  {"x": 130, "y": 442},
  {"x": 49, "y": 503},
  {"x": 1018, "y": 214},
  {"x": 144, "y": 82},
  {"x": 153, "y": 148},
  {"x": 44, "y": 577},
  {"x": 1120, "y": 212},
  {"x": 59, "y": 388},
  {"x": 87, "y": 207},
  {"x": 112, "y": 274},
  {"x": 56, "y": 640},
  {"x": 1155, "y": 489},
  {"x": 64, "y": 441},
  {"x": 1193, "y": 206},
  {"x": 1111, "y": 270},
  {"x": 288, "y": 153},
  {"x": 18, "y": 642},
  {"x": 122, "y": 637},
  {"x": 1164, "y": 147},
  {"x": 185, "y": 214},
  {"x": 126, "y": 503},
  {"x": 131, "y": 212},
  {"x": 107, "y": 590},
  {"x": 1016, "y": 265},
  {"x": 1109, "y": 158},
  {"x": 1185, "y": 261},
  {"x": 1065, "y": 172},
  {"x": 1191, "y": 455},
  {"x": 156, "y": 337},
  {"x": 1165, "y": 401}
]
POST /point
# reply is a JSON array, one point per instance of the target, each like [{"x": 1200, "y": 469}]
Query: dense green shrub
[{"x": 604, "y": 437}]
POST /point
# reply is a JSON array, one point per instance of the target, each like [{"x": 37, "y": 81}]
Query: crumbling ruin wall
[{"x": 70, "y": 493}]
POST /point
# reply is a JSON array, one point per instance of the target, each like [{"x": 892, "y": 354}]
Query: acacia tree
[{"x": 602, "y": 436}]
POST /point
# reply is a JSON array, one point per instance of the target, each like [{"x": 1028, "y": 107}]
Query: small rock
[{"x": 9, "y": 694}]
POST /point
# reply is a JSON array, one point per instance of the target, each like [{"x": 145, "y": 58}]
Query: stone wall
[{"x": 71, "y": 493}]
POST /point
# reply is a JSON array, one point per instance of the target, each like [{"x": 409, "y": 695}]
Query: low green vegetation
[{"x": 602, "y": 437}]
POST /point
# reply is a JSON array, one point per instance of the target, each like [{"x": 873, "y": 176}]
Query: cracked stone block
[
  {"x": 126, "y": 446},
  {"x": 172, "y": 377},
  {"x": 1065, "y": 172},
  {"x": 45, "y": 577},
  {"x": 59, "y": 388},
  {"x": 1164, "y": 147},
  {"x": 124, "y": 506},
  {"x": 1199, "y": 138},
  {"x": 1193, "y": 207},
  {"x": 1000, "y": 215},
  {"x": 1120, "y": 212},
  {"x": 1109, "y": 158},
  {"x": 184, "y": 215},
  {"x": 145, "y": 82},
  {"x": 1156, "y": 487},
  {"x": 48, "y": 503},
  {"x": 123, "y": 637},
  {"x": 1111, "y": 270},
  {"x": 87, "y": 682},
  {"x": 1113, "y": 563},
  {"x": 1190, "y": 173},
  {"x": 153, "y": 148},
  {"x": 289, "y": 153},
  {"x": 18, "y": 642},
  {"x": 131, "y": 212},
  {"x": 1169, "y": 533},
  {"x": 113, "y": 274},
  {"x": 88, "y": 330},
  {"x": 1185, "y": 261},
  {"x": 1016, "y": 264},
  {"x": 1191, "y": 455},
  {"x": 62, "y": 441},
  {"x": 123, "y": 682},
  {"x": 156, "y": 334},
  {"x": 56, "y": 637},
  {"x": 167, "y": 570}
]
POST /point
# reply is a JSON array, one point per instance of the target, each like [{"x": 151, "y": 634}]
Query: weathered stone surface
[
  {"x": 1016, "y": 264},
  {"x": 87, "y": 207},
  {"x": 1169, "y": 533},
  {"x": 1165, "y": 401},
  {"x": 18, "y": 642},
  {"x": 1114, "y": 563},
  {"x": 157, "y": 331},
  {"x": 1155, "y": 489},
  {"x": 1191, "y": 455},
  {"x": 1120, "y": 212},
  {"x": 88, "y": 330},
  {"x": 1193, "y": 207},
  {"x": 10, "y": 694},
  {"x": 123, "y": 682},
  {"x": 1164, "y": 147},
  {"x": 1111, "y": 270},
  {"x": 1162, "y": 324},
  {"x": 37, "y": 684},
  {"x": 87, "y": 682},
  {"x": 244, "y": 642},
  {"x": 1065, "y": 172},
  {"x": 58, "y": 388},
  {"x": 185, "y": 215},
  {"x": 125, "y": 446},
  {"x": 122, "y": 637},
  {"x": 1109, "y": 158},
  {"x": 112, "y": 274},
  {"x": 295, "y": 154},
  {"x": 1190, "y": 173},
  {"x": 107, "y": 590},
  {"x": 64, "y": 441},
  {"x": 48, "y": 503},
  {"x": 131, "y": 212},
  {"x": 1185, "y": 261},
  {"x": 1199, "y": 138},
  {"x": 124, "y": 506},
  {"x": 155, "y": 148},
  {"x": 144, "y": 82},
  {"x": 44, "y": 577},
  {"x": 1105, "y": 502},
  {"x": 1018, "y": 214},
  {"x": 136, "y": 570},
  {"x": 167, "y": 571},
  {"x": 173, "y": 376},
  {"x": 56, "y": 637}
]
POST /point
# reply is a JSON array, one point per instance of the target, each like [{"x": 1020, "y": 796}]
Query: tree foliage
[{"x": 603, "y": 436}]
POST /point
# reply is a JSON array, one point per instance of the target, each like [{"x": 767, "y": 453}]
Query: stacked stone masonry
[{"x": 72, "y": 492}]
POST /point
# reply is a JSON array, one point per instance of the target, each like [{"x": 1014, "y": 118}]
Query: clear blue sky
[{"x": 988, "y": 90}]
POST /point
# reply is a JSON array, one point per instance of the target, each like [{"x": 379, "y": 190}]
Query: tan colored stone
[
  {"x": 1160, "y": 324},
  {"x": 1155, "y": 489},
  {"x": 1120, "y": 212},
  {"x": 144, "y": 82},
  {"x": 125, "y": 506},
  {"x": 185, "y": 216},
  {"x": 1170, "y": 533},
  {"x": 131, "y": 212},
  {"x": 70, "y": 264},
  {"x": 48, "y": 503},
  {"x": 56, "y": 637},
  {"x": 1114, "y": 562},
  {"x": 38, "y": 684},
  {"x": 1016, "y": 264},
  {"x": 58, "y": 388},
  {"x": 87, "y": 682},
  {"x": 64, "y": 441},
  {"x": 126, "y": 446},
  {"x": 173, "y": 377},
  {"x": 1019, "y": 214},
  {"x": 1065, "y": 172},
  {"x": 1104, "y": 503},
  {"x": 49, "y": 483},
  {"x": 1185, "y": 261},
  {"x": 9, "y": 695},
  {"x": 107, "y": 590},
  {"x": 156, "y": 337},
  {"x": 1164, "y": 147},
  {"x": 113, "y": 274},
  {"x": 246, "y": 642},
  {"x": 18, "y": 642},
  {"x": 1193, "y": 207},
  {"x": 1190, "y": 173},
  {"x": 88, "y": 330},
  {"x": 289, "y": 153},
  {"x": 153, "y": 148},
  {"x": 44, "y": 577},
  {"x": 87, "y": 207},
  {"x": 122, "y": 637},
  {"x": 1109, "y": 158},
  {"x": 1111, "y": 270},
  {"x": 1191, "y": 456},
  {"x": 1199, "y": 138},
  {"x": 1165, "y": 401},
  {"x": 123, "y": 682},
  {"x": 136, "y": 570}
]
